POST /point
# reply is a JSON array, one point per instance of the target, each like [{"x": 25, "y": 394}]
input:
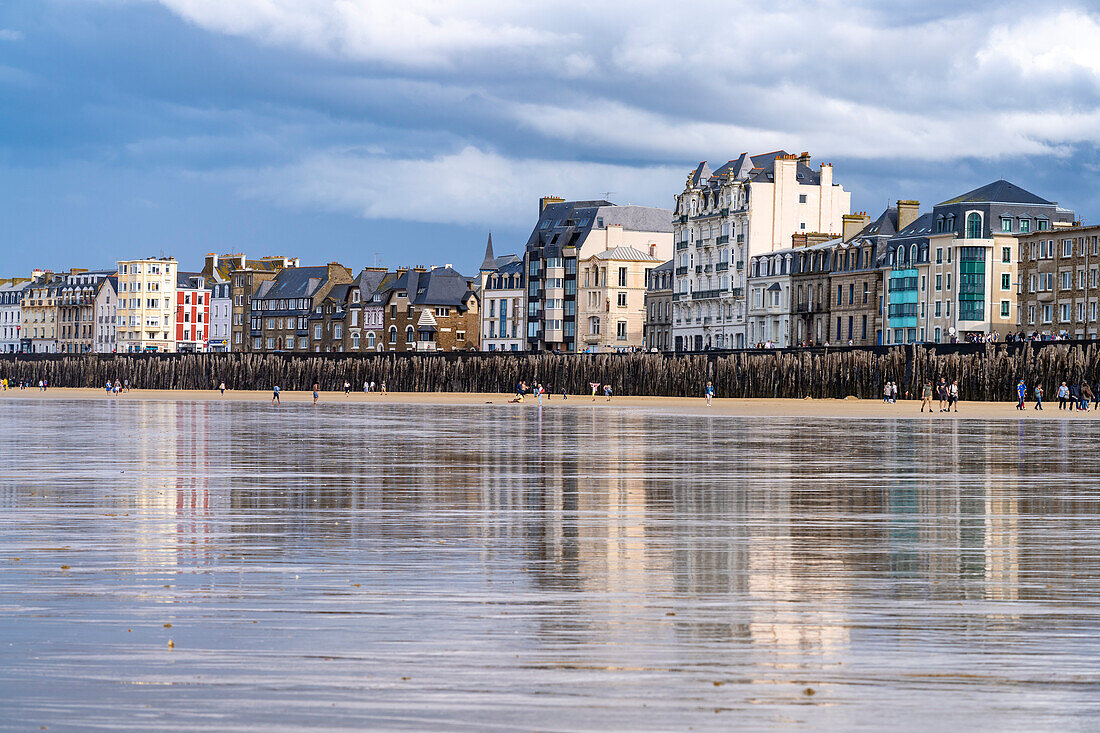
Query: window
[
  {"x": 620, "y": 331},
  {"x": 622, "y": 300},
  {"x": 939, "y": 309},
  {"x": 393, "y": 334},
  {"x": 622, "y": 277},
  {"x": 1025, "y": 226},
  {"x": 973, "y": 225},
  {"x": 594, "y": 326},
  {"x": 1044, "y": 225},
  {"x": 338, "y": 331},
  {"x": 1006, "y": 224},
  {"x": 1005, "y": 306},
  {"x": 1006, "y": 254},
  {"x": 1067, "y": 248},
  {"x": 355, "y": 341},
  {"x": 1006, "y": 281},
  {"x": 317, "y": 330},
  {"x": 409, "y": 334},
  {"x": 939, "y": 282},
  {"x": 939, "y": 255},
  {"x": 801, "y": 198}
]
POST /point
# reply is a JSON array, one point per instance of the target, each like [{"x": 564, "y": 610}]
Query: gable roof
[
  {"x": 294, "y": 282},
  {"x": 1000, "y": 192},
  {"x": 884, "y": 226},
  {"x": 439, "y": 286}
]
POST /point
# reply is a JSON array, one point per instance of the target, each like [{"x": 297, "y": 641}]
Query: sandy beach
[{"x": 845, "y": 408}]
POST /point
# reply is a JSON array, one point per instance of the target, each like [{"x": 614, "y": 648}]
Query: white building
[
  {"x": 106, "y": 316},
  {"x": 221, "y": 303},
  {"x": 749, "y": 206},
  {"x": 503, "y": 316},
  {"x": 11, "y": 296},
  {"x": 769, "y": 299},
  {"x": 146, "y": 299}
]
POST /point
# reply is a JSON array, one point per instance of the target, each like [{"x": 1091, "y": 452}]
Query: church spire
[{"x": 489, "y": 263}]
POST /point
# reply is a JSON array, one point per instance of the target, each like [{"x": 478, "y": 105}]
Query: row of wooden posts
[{"x": 987, "y": 373}]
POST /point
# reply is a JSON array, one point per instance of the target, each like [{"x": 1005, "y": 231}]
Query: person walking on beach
[
  {"x": 953, "y": 396},
  {"x": 371, "y": 389},
  {"x": 926, "y": 396},
  {"x": 125, "y": 385},
  {"x": 1086, "y": 396},
  {"x": 275, "y": 396},
  {"x": 521, "y": 389},
  {"x": 315, "y": 392},
  {"x": 886, "y": 393},
  {"x": 383, "y": 388},
  {"x": 607, "y": 392},
  {"x": 221, "y": 388},
  {"x": 538, "y": 392},
  {"x": 941, "y": 390},
  {"x": 1074, "y": 396},
  {"x": 347, "y": 388},
  {"x": 709, "y": 392},
  {"x": 1063, "y": 396},
  {"x": 1038, "y": 397},
  {"x": 1021, "y": 393}
]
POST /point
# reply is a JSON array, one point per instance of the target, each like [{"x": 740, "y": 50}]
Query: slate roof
[
  {"x": 293, "y": 282},
  {"x": 759, "y": 167},
  {"x": 918, "y": 230},
  {"x": 570, "y": 222},
  {"x": 440, "y": 286},
  {"x": 664, "y": 267},
  {"x": 1000, "y": 192},
  {"x": 625, "y": 253},
  {"x": 184, "y": 280},
  {"x": 885, "y": 225}
]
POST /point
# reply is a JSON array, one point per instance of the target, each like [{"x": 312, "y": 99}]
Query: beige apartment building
[
  {"x": 612, "y": 298},
  {"x": 1058, "y": 285},
  {"x": 146, "y": 305},
  {"x": 38, "y": 333}
]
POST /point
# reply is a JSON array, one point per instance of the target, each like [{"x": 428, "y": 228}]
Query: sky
[{"x": 392, "y": 133}]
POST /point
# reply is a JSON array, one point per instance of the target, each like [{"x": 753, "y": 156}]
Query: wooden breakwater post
[{"x": 984, "y": 371}]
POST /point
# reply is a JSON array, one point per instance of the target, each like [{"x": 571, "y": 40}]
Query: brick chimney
[
  {"x": 854, "y": 223},
  {"x": 804, "y": 158},
  {"x": 908, "y": 212},
  {"x": 547, "y": 200}
]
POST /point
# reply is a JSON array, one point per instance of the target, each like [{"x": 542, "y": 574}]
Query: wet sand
[{"x": 845, "y": 408}]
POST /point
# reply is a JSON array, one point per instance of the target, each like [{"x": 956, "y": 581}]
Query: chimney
[
  {"x": 547, "y": 200},
  {"x": 652, "y": 249},
  {"x": 798, "y": 240},
  {"x": 804, "y": 158},
  {"x": 854, "y": 223},
  {"x": 211, "y": 263},
  {"x": 908, "y": 212}
]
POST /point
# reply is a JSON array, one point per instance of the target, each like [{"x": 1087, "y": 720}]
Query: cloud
[
  {"x": 410, "y": 33},
  {"x": 1045, "y": 45},
  {"x": 7, "y": 34},
  {"x": 469, "y": 186}
]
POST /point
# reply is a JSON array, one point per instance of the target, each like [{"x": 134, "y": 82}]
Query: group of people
[
  {"x": 538, "y": 389},
  {"x": 1075, "y": 396},
  {"x": 118, "y": 385},
  {"x": 368, "y": 387},
  {"x": 6, "y": 384},
  {"x": 947, "y": 394}
]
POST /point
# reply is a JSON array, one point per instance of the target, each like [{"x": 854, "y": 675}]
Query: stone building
[
  {"x": 748, "y": 206},
  {"x": 857, "y": 276},
  {"x": 811, "y": 264},
  {"x": 566, "y": 233},
  {"x": 1058, "y": 282},
  {"x": 350, "y": 319},
  {"x": 146, "y": 305},
  {"x": 282, "y": 306},
  {"x": 906, "y": 283},
  {"x": 11, "y": 313},
  {"x": 38, "y": 313},
  {"x": 769, "y": 301},
  {"x": 503, "y": 302},
  {"x": 612, "y": 298},
  {"x": 658, "y": 309},
  {"x": 76, "y": 310},
  {"x": 106, "y": 316},
  {"x": 244, "y": 277},
  {"x": 432, "y": 310}
]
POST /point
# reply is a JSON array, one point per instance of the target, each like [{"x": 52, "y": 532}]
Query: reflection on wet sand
[{"x": 421, "y": 566}]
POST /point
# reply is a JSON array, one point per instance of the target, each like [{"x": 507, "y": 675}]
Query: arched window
[
  {"x": 355, "y": 341},
  {"x": 408, "y": 334},
  {"x": 900, "y": 255},
  {"x": 973, "y": 225},
  {"x": 370, "y": 340},
  {"x": 393, "y": 334},
  {"x": 913, "y": 255}
]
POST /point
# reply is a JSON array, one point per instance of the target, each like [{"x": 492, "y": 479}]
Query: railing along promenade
[{"x": 984, "y": 371}]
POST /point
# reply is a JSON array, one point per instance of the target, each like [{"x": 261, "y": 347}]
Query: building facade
[
  {"x": 566, "y": 233},
  {"x": 503, "y": 302},
  {"x": 245, "y": 277},
  {"x": 106, "y": 316},
  {"x": 658, "y": 309},
  {"x": 432, "y": 310},
  {"x": 38, "y": 334},
  {"x": 811, "y": 266},
  {"x": 11, "y": 313},
  {"x": 221, "y": 305},
  {"x": 282, "y": 306},
  {"x": 192, "y": 322},
  {"x": 146, "y": 305},
  {"x": 769, "y": 311},
  {"x": 1059, "y": 285},
  {"x": 76, "y": 310},
  {"x": 749, "y": 206},
  {"x": 612, "y": 298}
]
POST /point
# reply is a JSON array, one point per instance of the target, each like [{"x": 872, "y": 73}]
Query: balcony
[
  {"x": 740, "y": 238},
  {"x": 740, "y": 265},
  {"x": 724, "y": 239},
  {"x": 680, "y": 296},
  {"x": 725, "y": 211},
  {"x": 681, "y": 246},
  {"x": 737, "y": 292},
  {"x": 706, "y": 294},
  {"x": 698, "y": 269},
  {"x": 722, "y": 267},
  {"x": 681, "y": 271},
  {"x": 683, "y": 218}
]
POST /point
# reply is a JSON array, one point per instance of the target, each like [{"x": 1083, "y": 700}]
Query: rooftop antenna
[
  {"x": 607, "y": 195},
  {"x": 376, "y": 256}
]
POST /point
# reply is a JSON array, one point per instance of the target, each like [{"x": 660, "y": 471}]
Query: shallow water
[{"x": 472, "y": 568}]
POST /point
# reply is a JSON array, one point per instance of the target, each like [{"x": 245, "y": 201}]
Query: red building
[{"x": 192, "y": 312}]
